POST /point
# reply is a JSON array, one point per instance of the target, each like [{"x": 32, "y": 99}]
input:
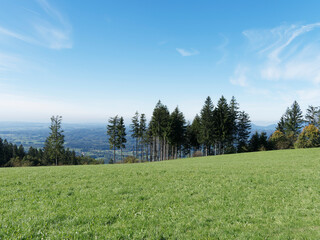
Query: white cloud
[
  {"x": 287, "y": 52},
  {"x": 7, "y": 32},
  {"x": 282, "y": 65},
  {"x": 52, "y": 31},
  {"x": 187, "y": 53},
  {"x": 240, "y": 78},
  {"x": 222, "y": 49}
]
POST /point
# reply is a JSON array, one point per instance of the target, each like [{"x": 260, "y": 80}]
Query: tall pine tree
[
  {"x": 112, "y": 131},
  {"x": 54, "y": 144},
  {"x": 207, "y": 128}
]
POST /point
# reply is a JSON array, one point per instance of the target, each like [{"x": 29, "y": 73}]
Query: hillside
[{"x": 244, "y": 196}]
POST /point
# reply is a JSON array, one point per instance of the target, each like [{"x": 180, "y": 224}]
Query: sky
[{"x": 91, "y": 60}]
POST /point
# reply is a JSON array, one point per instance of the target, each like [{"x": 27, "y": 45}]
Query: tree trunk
[
  {"x": 136, "y": 148},
  {"x": 121, "y": 154}
]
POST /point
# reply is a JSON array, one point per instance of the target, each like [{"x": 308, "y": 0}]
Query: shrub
[
  {"x": 309, "y": 137},
  {"x": 130, "y": 159},
  {"x": 197, "y": 154},
  {"x": 279, "y": 141}
]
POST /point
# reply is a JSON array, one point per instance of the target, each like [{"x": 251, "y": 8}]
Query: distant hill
[{"x": 268, "y": 129}]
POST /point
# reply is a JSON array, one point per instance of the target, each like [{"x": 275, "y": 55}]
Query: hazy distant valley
[{"x": 88, "y": 139}]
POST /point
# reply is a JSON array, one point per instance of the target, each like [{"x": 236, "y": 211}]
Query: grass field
[{"x": 265, "y": 195}]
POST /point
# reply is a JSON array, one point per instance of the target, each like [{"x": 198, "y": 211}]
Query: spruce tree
[
  {"x": 312, "y": 115},
  {"x": 121, "y": 136},
  {"x": 281, "y": 124},
  {"x": 142, "y": 132},
  {"x": 159, "y": 126},
  {"x": 135, "y": 130},
  {"x": 196, "y": 133},
  {"x": 243, "y": 131},
  {"x": 207, "y": 125},
  {"x": 177, "y": 131},
  {"x": 234, "y": 115},
  {"x": 223, "y": 124},
  {"x": 294, "y": 120},
  {"x": 112, "y": 132},
  {"x": 54, "y": 144}
]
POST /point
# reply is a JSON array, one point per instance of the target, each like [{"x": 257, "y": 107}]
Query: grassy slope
[{"x": 261, "y": 195}]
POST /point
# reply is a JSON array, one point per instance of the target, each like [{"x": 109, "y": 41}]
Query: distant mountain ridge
[{"x": 268, "y": 129}]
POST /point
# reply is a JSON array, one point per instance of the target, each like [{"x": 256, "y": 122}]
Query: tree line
[
  {"x": 293, "y": 131},
  {"x": 297, "y": 131},
  {"x": 53, "y": 152},
  {"x": 216, "y": 130}
]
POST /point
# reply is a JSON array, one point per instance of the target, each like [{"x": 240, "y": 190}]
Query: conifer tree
[
  {"x": 207, "y": 127},
  {"x": 121, "y": 136},
  {"x": 312, "y": 115},
  {"x": 142, "y": 132},
  {"x": 234, "y": 115},
  {"x": 177, "y": 131},
  {"x": 159, "y": 127},
  {"x": 281, "y": 124},
  {"x": 294, "y": 120},
  {"x": 223, "y": 124},
  {"x": 112, "y": 131},
  {"x": 135, "y": 130},
  {"x": 54, "y": 145},
  {"x": 195, "y": 139},
  {"x": 243, "y": 130}
]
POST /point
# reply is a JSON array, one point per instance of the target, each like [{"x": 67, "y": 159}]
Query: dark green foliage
[
  {"x": 121, "y": 135},
  {"x": 177, "y": 130},
  {"x": 293, "y": 119},
  {"x": 312, "y": 116},
  {"x": 234, "y": 115},
  {"x": 135, "y": 130},
  {"x": 243, "y": 131},
  {"x": 224, "y": 124},
  {"x": 281, "y": 124},
  {"x": 36, "y": 157},
  {"x": 159, "y": 128},
  {"x": 195, "y": 138},
  {"x": 160, "y": 120},
  {"x": 112, "y": 131},
  {"x": 258, "y": 142},
  {"x": 207, "y": 125},
  {"x": 53, "y": 149}
]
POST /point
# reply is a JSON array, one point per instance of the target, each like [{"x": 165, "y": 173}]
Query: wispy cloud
[
  {"x": 52, "y": 31},
  {"x": 187, "y": 53},
  {"x": 9, "y": 33},
  {"x": 287, "y": 52},
  {"x": 56, "y": 32},
  {"x": 240, "y": 77},
  {"x": 287, "y": 55},
  {"x": 222, "y": 49}
]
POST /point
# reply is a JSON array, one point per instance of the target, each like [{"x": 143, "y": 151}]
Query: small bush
[
  {"x": 197, "y": 154},
  {"x": 130, "y": 159}
]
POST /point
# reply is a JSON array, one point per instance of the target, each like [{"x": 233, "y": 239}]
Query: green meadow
[{"x": 263, "y": 195}]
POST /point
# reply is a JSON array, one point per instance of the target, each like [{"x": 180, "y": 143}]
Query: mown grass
[{"x": 265, "y": 195}]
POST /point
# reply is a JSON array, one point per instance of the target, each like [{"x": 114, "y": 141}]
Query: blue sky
[{"x": 89, "y": 60}]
